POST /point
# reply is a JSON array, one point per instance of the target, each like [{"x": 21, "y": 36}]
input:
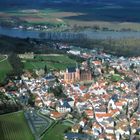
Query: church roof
[{"x": 71, "y": 69}]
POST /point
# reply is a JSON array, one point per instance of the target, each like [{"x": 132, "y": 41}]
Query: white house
[{"x": 63, "y": 107}]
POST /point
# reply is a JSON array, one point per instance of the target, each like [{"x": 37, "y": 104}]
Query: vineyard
[{"x": 13, "y": 126}]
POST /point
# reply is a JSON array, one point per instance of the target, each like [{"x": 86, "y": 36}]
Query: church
[{"x": 74, "y": 74}]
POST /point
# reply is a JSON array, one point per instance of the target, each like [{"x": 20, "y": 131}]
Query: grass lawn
[
  {"x": 5, "y": 68},
  {"x": 13, "y": 126},
  {"x": 59, "y": 62},
  {"x": 68, "y": 123},
  {"x": 56, "y": 132}
]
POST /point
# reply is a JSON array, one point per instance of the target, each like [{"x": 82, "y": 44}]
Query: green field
[
  {"x": 113, "y": 17},
  {"x": 32, "y": 17},
  {"x": 5, "y": 68},
  {"x": 56, "y": 132},
  {"x": 55, "y": 62},
  {"x": 13, "y": 126}
]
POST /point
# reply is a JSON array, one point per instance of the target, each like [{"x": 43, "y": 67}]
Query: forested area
[
  {"x": 124, "y": 46},
  {"x": 121, "y": 47}
]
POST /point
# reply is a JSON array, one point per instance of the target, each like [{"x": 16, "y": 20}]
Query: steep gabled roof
[{"x": 71, "y": 69}]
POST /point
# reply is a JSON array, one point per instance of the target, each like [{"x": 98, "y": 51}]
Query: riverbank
[{"x": 88, "y": 34}]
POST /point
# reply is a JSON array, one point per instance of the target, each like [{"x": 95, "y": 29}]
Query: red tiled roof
[
  {"x": 56, "y": 114},
  {"x": 105, "y": 115},
  {"x": 89, "y": 112},
  {"x": 83, "y": 87},
  {"x": 96, "y": 62},
  {"x": 119, "y": 104}
]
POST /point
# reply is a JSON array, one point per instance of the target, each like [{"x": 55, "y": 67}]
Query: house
[
  {"x": 83, "y": 89},
  {"x": 70, "y": 101},
  {"x": 115, "y": 112},
  {"x": 100, "y": 117},
  {"x": 119, "y": 105},
  {"x": 76, "y": 136},
  {"x": 100, "y": 110},
  {"x": 26, "y": 55},
  {"x": 96, "y": 63},
  {"x": 109, "y": 130},
  {"x": 74, "y": 52},
  {"x": 89, "y": 113},
  {"x": 56, "y": 115},
  {"x": 38, "y": 102},
  {"x": 117, "y": 135},
  {"x": 102, "y": 137},
  {"x": 99, "y": 91},
  {"x": 63, "y": 107},
  {"x": 83, "y": 122},
  {"x": 76, "y": 128},
  {"x": 111, "y": 104},
  {"x": 122, "y": 128},
  {"x": 87, "y": 130},
  {"x": 110, "y": 137},
  {"x": 109, "y": 122},
  {"x": 50, "y": 78},
  {"x": 40, "y": 72},
  {"x": 96, "y": 128}
]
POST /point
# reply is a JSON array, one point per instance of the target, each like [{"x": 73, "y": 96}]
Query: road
[{"x": 6, "y": 57}]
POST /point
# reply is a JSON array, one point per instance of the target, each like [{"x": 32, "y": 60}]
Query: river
[{"x": 91, "y": 34}]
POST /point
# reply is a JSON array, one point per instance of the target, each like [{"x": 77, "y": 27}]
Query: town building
[
  {"x": 29, "y": 55},
  {"x": 72, "y": 75},
  {"x": 85, "y": 75}
]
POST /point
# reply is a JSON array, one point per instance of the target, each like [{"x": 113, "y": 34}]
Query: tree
[
  {"x": 31, "y": 100},
  {"x": 16, "y": 64},
  {"x": 58, "y": 91},
  {"x": 46, "y": 69},
  {"x": 132, "y": 66}
]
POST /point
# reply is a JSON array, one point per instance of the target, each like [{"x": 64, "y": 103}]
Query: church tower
[{"x": 77, "y": 73}]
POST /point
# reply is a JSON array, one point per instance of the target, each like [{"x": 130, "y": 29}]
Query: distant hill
[
  {"x": 39, "y": 3},
  {"x": 43, "y": 3},
  {"x": 34, "y": 2}
]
